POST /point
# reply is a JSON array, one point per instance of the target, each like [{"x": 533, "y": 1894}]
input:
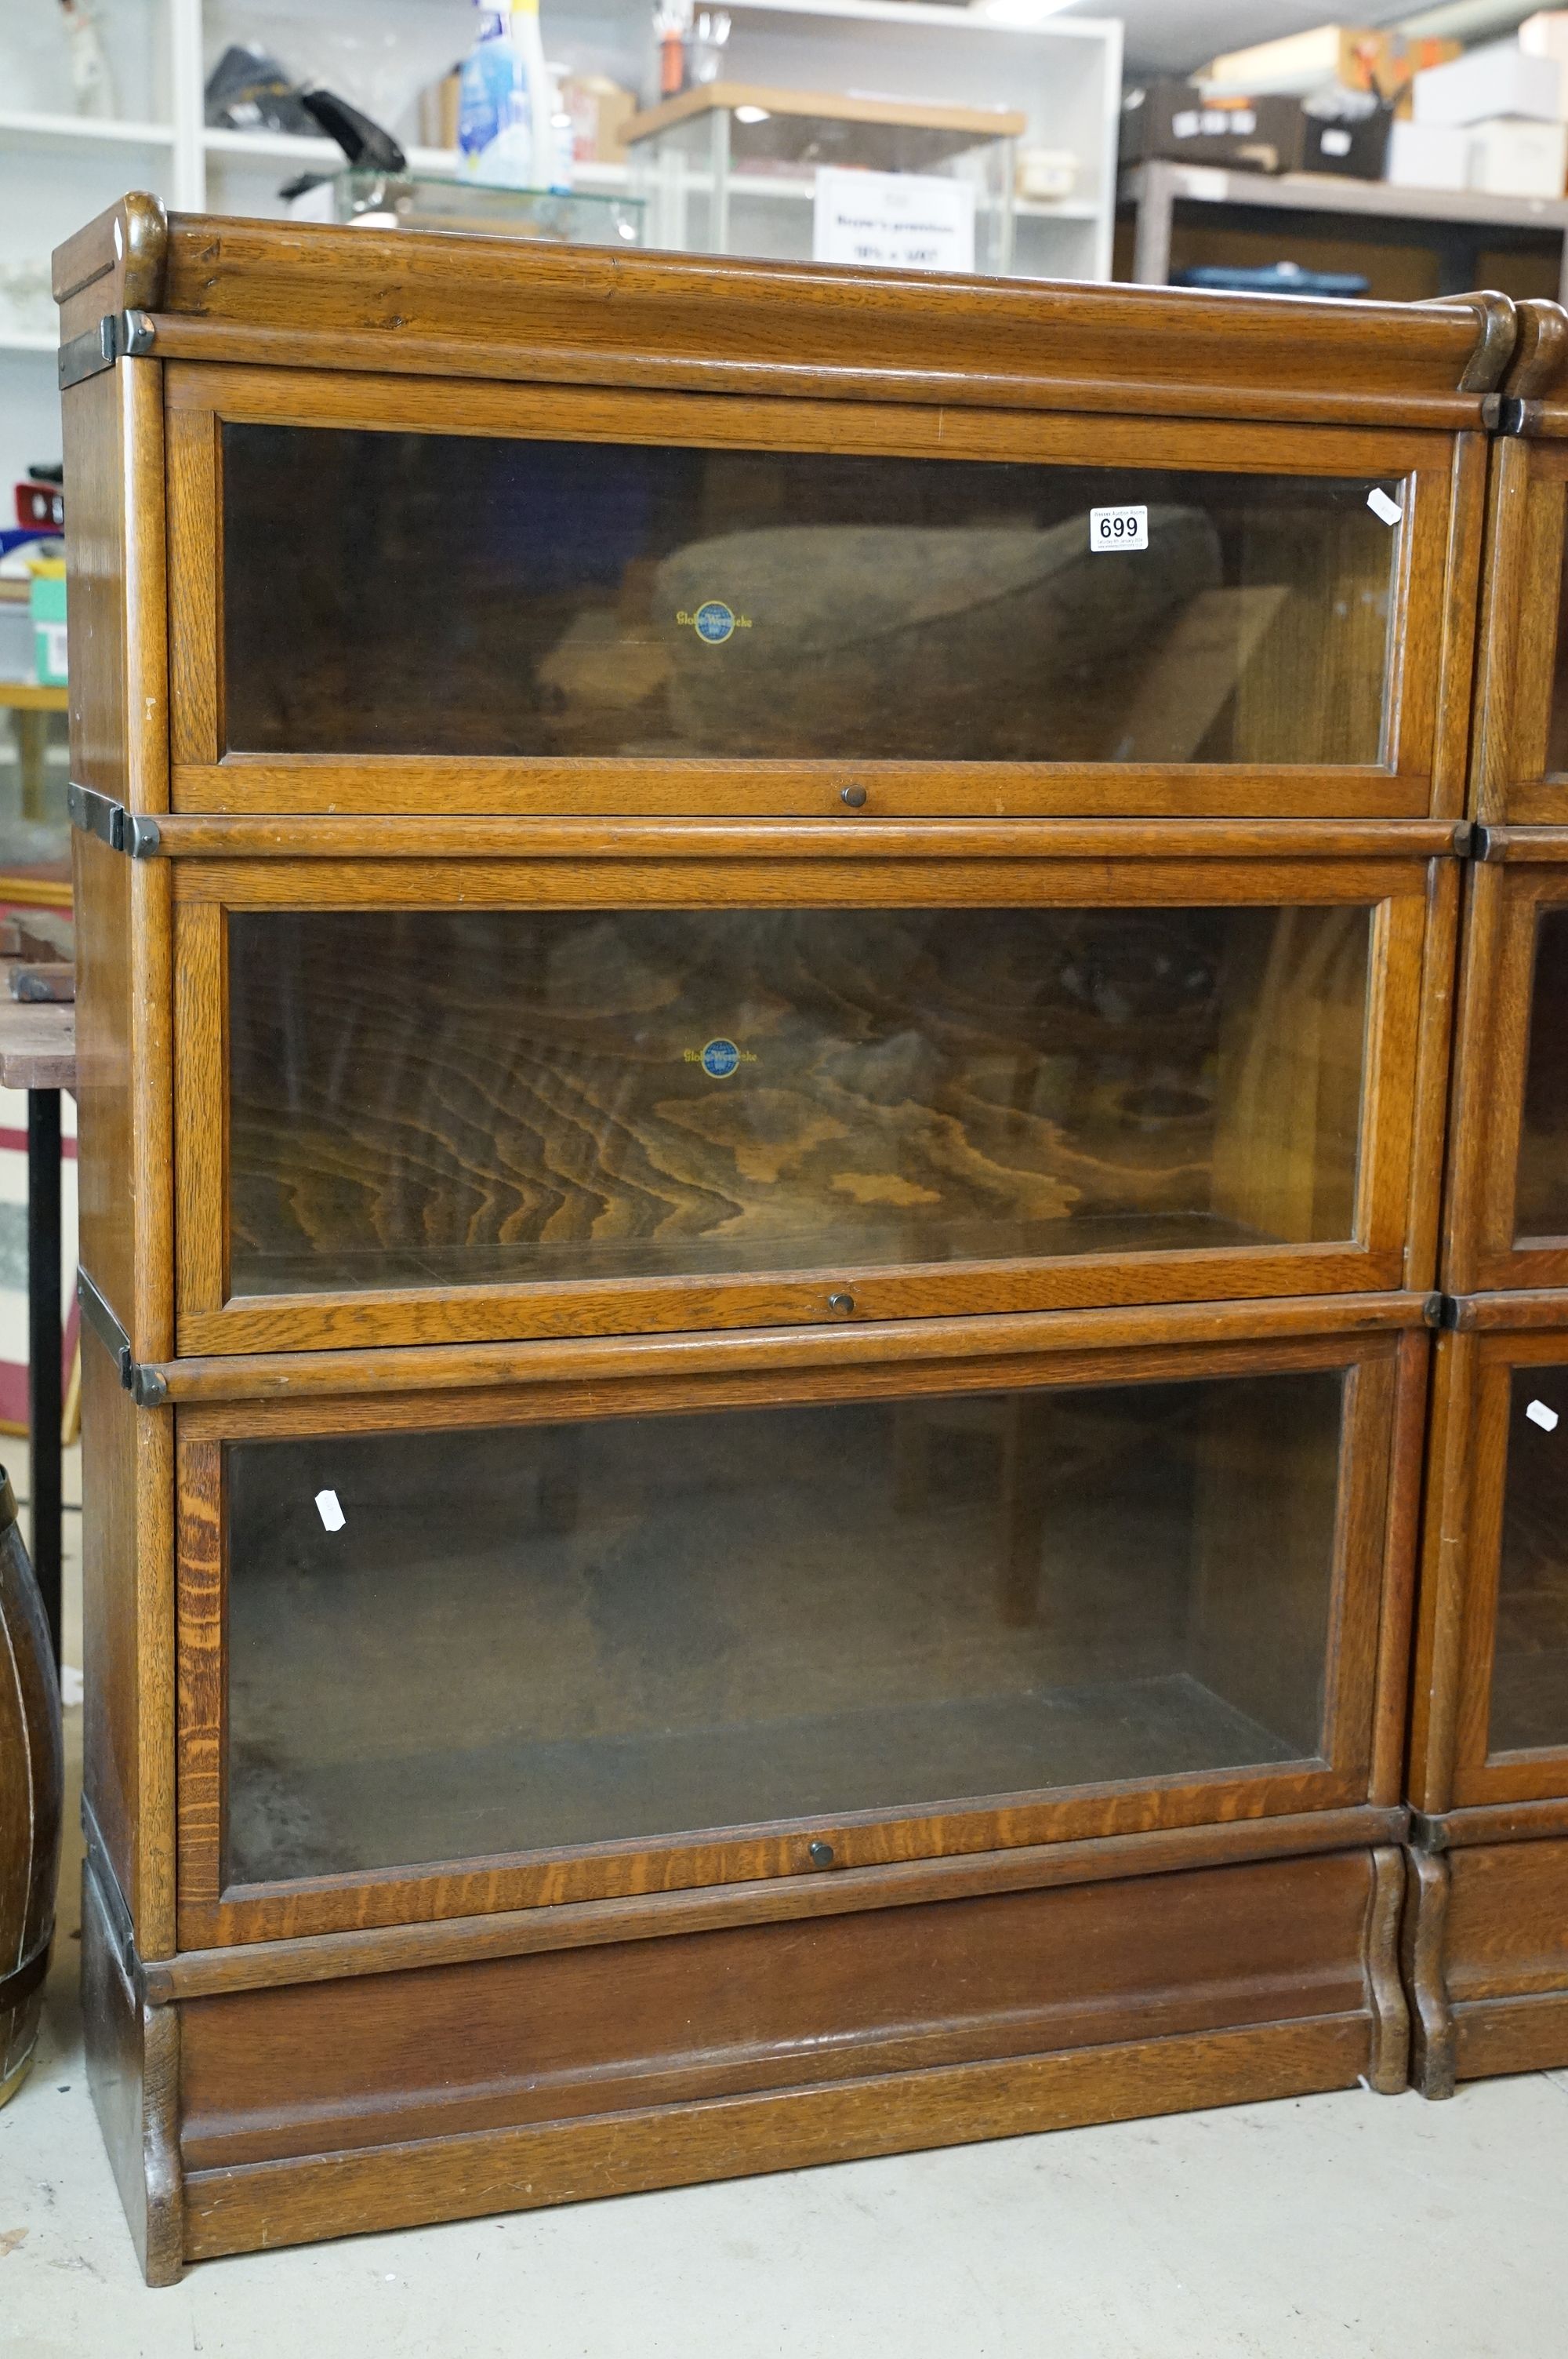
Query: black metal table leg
[{"x": 44, "y": 1369}]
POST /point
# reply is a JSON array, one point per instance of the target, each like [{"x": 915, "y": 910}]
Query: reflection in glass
[
  {"x": 34, "y": 769},
  {"x": 438, "y": 1097},
  {"x": 648, "y": 1626},
  {"x": 1530, "y": 1670},
  {"x": 1540, "y": 1206},
  {"x": 449, "y": 594}
]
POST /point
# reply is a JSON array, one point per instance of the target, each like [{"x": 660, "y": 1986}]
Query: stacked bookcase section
[
  {"x": 790, "y": 934},
  {"x": 1486, "y": 1940}
]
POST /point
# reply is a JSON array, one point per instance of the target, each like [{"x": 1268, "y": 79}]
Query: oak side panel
[
  {"x": 1461, "y": 588},
  {"x": 1434, "y": 1681},
  {"x": 133, "y": 2072},
  {"x": 107, "y": 1232},
  {"x": 114, "y": 1710}
]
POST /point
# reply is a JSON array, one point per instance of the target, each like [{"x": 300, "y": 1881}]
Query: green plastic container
[{"x": 47, "y": 604}]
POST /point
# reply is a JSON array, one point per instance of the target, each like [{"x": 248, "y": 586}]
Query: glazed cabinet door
[
  {"x": 686, "y": 1616},
  {"x": 387, "y": 596},
  {"x": 445, "y": 1101},
  {"x": 1492, "y": 1710},
  {"x": 1508, "y": 1208}
]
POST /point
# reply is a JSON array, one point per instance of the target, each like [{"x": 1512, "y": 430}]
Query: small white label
[
  {"x": 1538, "y": 1414},
  {"x": 1119, "y": 528},
  {"x": 327, "y": 1507},
  {"x": 1335, "y": 143},
  {"x": 1385, "y": 510}
]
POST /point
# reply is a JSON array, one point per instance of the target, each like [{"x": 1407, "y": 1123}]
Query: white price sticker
[
  {"x": 1538, "y": 1414},
  {"x": 1119, "y": 528},
  {"x": 1385, "y": 510},
  {"x": 327, "y": 1507}
]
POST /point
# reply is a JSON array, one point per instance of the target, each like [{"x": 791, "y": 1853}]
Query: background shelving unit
[
  {"x": 1411, "y": 245},
  {"x": 57, "y": 168}
]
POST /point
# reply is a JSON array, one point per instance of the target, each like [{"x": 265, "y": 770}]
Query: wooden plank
[
  {"x": 37, "y": 1045},
  {"x": 827, "y": 107}
]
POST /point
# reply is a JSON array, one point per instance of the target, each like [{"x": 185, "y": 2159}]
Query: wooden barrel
[{"x": 32, "y": 1774}]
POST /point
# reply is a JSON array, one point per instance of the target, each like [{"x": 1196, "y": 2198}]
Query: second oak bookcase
[
  {"x": 764, "y": 1018},
  {"x": 1486, "y": 1930}
]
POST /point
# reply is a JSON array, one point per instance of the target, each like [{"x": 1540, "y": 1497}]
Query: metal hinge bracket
[
  {"x": 1441, "y": 1310},
  {"x": 102, "y": 816},
  {"x": 1503, "y": 413},
  {"x": 143, "y": 1384},
  {"x": 119, "y": 336}
]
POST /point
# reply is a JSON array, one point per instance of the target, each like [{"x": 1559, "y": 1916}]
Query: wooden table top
[{"x": 38, "y": 1046}]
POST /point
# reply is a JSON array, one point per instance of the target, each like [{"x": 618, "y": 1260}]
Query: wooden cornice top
[
  {"x": 1537, "y": 375},
  {"x": 306, "y": 295}
]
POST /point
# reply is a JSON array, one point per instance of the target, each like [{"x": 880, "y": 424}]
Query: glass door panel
[
  {"x": 447, "y": 1097},
  {"x": 1529, "y": 1668},
  {"x": 448, "y": 1645},
  {"x": 453, "y": 594},
  {"x": 1541, "y": 1207}
]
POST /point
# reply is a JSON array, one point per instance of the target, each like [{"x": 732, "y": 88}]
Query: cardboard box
[
  {"x": 1510, "y": 157},
  {"x": 1500, "y": 79},
  {"x": 599, "y": 110},
  {"x": 1175, "y": 121},
  {"x": 1351, "y": 56},
  {"x": 1239, "y": 133},
  {"x": 1428, "y": 156}
]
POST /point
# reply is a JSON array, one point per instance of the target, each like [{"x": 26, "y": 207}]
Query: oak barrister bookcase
[
  {"x": 1486, "y": 1932},
  {"x": 767, "y": 959}
]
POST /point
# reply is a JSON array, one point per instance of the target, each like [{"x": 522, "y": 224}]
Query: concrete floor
[{"x": 1339, "y": 2227}]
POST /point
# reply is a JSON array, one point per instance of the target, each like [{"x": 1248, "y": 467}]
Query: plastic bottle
[
  {"x": 503, "y": 99},
  {"x": 563, "y": 140}
]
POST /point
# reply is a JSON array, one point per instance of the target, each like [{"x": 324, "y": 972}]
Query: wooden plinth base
[
  {"x": 276, "y": 2113},
  {"x": 1486, "y": 1945}
]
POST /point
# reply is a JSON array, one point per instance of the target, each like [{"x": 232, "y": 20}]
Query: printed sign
[
  {"x": 898, "y": 221},
  {"x": 1119, "y": 528}
]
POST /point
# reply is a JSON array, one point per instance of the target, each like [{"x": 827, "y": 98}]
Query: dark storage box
[{"x": 1176, "y": 121}]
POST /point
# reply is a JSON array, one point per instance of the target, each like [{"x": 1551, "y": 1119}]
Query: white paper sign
[
  {"x": 1119, "y": 528},
  {"x": 898, "y": 221}
]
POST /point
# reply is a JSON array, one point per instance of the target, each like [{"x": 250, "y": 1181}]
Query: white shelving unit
[{"x": 57, "y": 168}]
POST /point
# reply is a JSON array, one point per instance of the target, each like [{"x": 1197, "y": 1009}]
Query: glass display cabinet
[
  {"x": 751, "y": 1489},
  {"x": 719, "y": 165},
  {"x": 379, "y": 200}
]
